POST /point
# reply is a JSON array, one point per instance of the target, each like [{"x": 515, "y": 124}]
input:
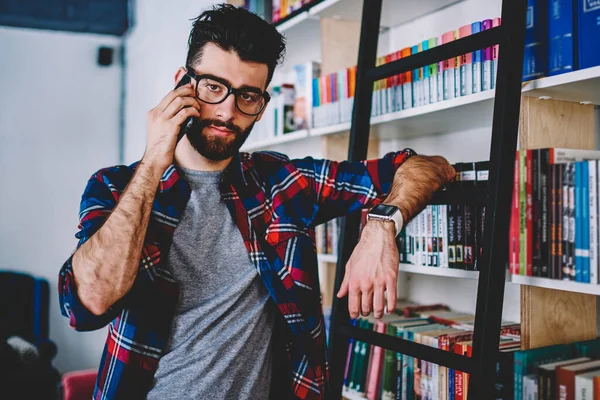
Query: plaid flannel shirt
[{"x": 276, "y": 203}]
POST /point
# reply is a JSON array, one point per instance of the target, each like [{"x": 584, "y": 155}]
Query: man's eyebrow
[{"x": 223, "y": 80}]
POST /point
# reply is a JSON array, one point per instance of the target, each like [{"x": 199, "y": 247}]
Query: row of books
[
  {"x": 554, "y": 227},
  {"x": 565, "y": 371},
  {"x": 333, "y": 93},
  {"x": 327, "y": 237},
  {"x": 283, "y": 8},
  {"x": 561, "y": 36},
  {"x": 376, "y": 373}
]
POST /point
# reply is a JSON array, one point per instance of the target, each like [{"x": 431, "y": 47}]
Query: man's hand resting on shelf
[{"x": 372, "y": 270}]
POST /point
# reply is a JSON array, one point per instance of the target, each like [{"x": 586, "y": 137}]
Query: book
[
  {"x": 547, "y": 376},
  {"x": 562, "y": 36},
  {"x": 535, "y": 54},
  {"x": 477, "y": 59},
  {"x": 466, "y": 67},
  {"x": 565, "y": 377},
  {"x": 588, "y": 31}
]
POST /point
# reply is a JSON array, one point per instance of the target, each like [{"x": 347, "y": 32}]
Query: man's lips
[{"x": 221, "y": 131}]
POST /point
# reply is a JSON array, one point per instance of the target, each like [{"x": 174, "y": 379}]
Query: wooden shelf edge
[{"x": 568, "y": 286}]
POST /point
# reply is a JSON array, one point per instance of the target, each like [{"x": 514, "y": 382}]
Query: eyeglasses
[{"x": 213, "y": 90}]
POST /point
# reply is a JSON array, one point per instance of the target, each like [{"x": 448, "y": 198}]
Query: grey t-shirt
[{"x": 221, "y": 337}]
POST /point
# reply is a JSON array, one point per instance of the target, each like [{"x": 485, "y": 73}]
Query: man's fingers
[
  {"x": 378, "y": 301},
  {"x": 391, "y": 296},
  {"x": 354, "y": 302},
  {"x": 366, "y": 301},
  {"x": 185, "y": 90},
  {"x": 178, "y": 104},
  {"x": 344, "y": 287}
]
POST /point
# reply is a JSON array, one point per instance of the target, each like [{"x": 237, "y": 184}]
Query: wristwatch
[{"x": 387, "y": 212}]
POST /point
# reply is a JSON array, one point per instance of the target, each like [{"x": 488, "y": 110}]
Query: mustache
[{"x": 222, "y": 124}]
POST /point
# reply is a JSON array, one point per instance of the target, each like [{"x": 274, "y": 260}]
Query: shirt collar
[{"x": 234, "y": 171}]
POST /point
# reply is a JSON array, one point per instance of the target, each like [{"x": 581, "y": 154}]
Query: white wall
[
  {"x": 156, "y": 48},
  {"x": 59, "y": 122}
]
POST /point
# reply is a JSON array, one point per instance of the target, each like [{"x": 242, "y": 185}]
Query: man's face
[{"x": 222, "y": 128}]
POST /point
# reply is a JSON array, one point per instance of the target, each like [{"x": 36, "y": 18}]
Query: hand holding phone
[{"x": 168, "y": 121}]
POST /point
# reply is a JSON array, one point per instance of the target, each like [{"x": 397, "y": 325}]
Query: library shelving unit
[
  {"x": 552, "y": 311},
  {"x": 511, "y": 38}
]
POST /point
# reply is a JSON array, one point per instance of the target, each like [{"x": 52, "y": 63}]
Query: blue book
[
  {"x": 588, "y": 32},
  {"x": 536, "y": 48},
  {"x": 562, "y": 38},
  {"x": 416, "y": 100},
  {"x": 585, "y": 221},
  {"x": 477, "y": 59},
  {"x": 578, "y": 223}
]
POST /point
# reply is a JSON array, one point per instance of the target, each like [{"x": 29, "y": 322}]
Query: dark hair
[{"x": 236, "y": 29}]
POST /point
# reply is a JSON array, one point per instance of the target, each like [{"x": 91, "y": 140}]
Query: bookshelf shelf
[
  {"x": 288, "y": 137},
  {"x": 350, "y": 395},
  {"x": 577, "y": 86},
  {"x": 435, "y": 271},
  {"x": 556, "y": 284},
  {"x": 330, "y": 258},
  {"x": 394, "y": 12}
]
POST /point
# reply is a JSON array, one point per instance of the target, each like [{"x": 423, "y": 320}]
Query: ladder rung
[
  {"x": 439, "y": 53},
  {"x": 420, "y": 351}
]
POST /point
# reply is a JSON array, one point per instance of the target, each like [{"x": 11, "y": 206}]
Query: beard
[{"x": 216, "y": 148}]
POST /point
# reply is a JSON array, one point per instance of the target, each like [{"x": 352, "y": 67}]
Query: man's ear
[{"x": 179, "y": 74}]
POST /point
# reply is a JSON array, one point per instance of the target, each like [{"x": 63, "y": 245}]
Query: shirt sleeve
[
  {"x": 96, "y": 205},
  {"x": 344, "y": 187}
]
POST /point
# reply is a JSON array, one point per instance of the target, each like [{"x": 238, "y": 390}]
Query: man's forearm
[
  {"x": 106, "y": 265},
  {"x": 416, "y": 181}
]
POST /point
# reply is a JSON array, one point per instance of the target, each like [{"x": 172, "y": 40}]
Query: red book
[
  {"x": 529, "y": 200},
  {"x": 565, "y": 378},
  {"x": 375, "y": 370},
  {"x": 513, "y": 244}
]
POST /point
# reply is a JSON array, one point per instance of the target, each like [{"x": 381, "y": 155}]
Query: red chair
[{"x": 78, "y": 385}]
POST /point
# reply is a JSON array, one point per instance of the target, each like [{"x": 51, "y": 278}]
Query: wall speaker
[{"x": 105, "y": 56}]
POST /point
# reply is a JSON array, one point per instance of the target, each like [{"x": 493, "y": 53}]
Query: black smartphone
[{"x": 188, "y": 122}]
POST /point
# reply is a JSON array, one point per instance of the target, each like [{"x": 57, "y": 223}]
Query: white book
[
  {"x": 593, "y": 225},
  {"x": 440, "y": 86},
  {"x": 584, "y": 385},
  {"x": 486, "y": 75},
  {"x": 449, "y": 84},
  {"x": 435, "y": 256},
  {"x": 457, "y": 82},
  {"x": 407, "y": 96},
  {"x": 476, "y": 76},
  {"x": 389, "y": 93},
  {"x": 466, "y": 79},
  {"x": 427, "y": 91},
  {"x": 443, "y": 243}
]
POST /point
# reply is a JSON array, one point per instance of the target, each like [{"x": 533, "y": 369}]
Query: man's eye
[
  {"x": 250, "y": 97},
  {"x": 213, "y": 88}
]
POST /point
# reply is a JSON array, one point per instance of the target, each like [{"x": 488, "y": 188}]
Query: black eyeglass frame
[{"x": 236, "y": 92}]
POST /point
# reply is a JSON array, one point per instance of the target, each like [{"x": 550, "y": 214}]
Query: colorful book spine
[
  {"x": 588, "y": 32},
  {"x": 449, "y": 67},
  {"x": 477, "y": 59},
  {"x": 416, "y": 74},
  {"x": 433, "y": 75},
  {"x": 440, "y": 79},
  {"x": 425, "y": 82},
  {"x": 457, "y": 65},
  {"x": 407, "y": 83},
  {"x": 495, "y": 49},
  {"x": 466, "y": 64},
  {"x": 486, "y": 71}
]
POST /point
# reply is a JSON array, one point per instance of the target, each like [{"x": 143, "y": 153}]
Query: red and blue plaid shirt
[{"x": 276, "y": 203}]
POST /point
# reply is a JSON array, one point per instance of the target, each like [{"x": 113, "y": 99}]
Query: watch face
[{"x": 384, "y": 209}]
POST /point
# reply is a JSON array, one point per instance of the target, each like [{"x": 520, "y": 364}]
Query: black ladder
[{"x": 510, "y": 37}]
